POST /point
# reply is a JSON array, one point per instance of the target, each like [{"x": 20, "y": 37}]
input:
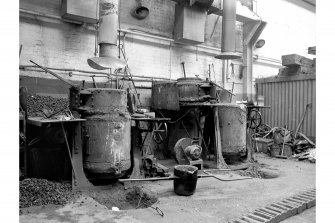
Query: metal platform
[{"x": 39, "y": 121}]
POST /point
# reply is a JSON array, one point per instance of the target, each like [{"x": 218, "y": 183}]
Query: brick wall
[{"x": 59, "y": 44}]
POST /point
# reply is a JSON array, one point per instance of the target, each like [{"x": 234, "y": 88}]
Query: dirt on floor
[
  {"x": 254, "y": 170},
  {"x": 258, "y": 170},
  {"x": 138, "y": 196},
  {"x": 213, "y": 201},
  {"x": 41, "y": 192}
]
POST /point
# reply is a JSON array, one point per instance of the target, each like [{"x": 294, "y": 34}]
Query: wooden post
[
  {"x": 250, "y": 149},
  {"x": 221, "y": 164}
]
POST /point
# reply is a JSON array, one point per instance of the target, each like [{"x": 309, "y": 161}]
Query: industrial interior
[{"x": 167, "y": 111}]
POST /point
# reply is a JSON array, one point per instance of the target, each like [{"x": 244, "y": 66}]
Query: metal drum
[
  {"x": 233, "y": 125},
  {"x": 106, "y": 133}
]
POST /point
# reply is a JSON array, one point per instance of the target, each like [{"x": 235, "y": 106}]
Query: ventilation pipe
[
  {"x": 228, "y": 31},
  {"x": 202, "y": 3},
  {"x": 107, "y": 37}
]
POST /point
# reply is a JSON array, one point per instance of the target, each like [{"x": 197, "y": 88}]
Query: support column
[{"x": 247, "y": 72}]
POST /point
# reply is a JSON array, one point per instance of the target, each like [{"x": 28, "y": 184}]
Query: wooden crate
[{"x": 296, "y": 60}]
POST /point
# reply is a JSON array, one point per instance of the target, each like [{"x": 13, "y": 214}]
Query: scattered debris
[
  {"x": 115, "y": 209},
  {"x": 37, "y": 192},
  {"x": 308, "y": 155},
  {"x": 283, "y": 143}
]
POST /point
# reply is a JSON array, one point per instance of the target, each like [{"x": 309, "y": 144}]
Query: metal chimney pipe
[
  {"x": 107, "y": 37},
  {"x": 228, "y": 31}
]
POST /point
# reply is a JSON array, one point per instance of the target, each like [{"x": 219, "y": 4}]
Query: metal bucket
[
  {"x": 233, "y": 119},
  {"x": 106, "y": 134},
  {"x": 186, "y": 179}
]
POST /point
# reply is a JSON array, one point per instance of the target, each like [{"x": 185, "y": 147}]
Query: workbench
[{"x": 40, "y": 121}]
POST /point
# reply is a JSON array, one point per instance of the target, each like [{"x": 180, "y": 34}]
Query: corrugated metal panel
[{"x": 288, "y": 97}]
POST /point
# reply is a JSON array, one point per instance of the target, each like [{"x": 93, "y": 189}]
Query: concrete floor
[{"x": 213, "y": 201}]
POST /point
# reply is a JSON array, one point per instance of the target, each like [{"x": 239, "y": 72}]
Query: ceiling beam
[{"x": 311, "y": 2}]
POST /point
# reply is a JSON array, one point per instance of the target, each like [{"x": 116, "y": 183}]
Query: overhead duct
[
  {"x": 228, "y": 31},
  {"x": 107, "y": 37},
  {"x": 202, "y": 3}
]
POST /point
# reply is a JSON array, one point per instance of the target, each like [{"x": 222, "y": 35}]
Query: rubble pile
[
  {"x": 45, "y": 106},
  {"x": 37, "y": 192}
]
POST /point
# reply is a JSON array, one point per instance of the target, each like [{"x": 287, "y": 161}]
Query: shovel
[{"x": 302, "y": 120}]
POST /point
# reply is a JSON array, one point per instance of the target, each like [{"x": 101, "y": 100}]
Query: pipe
[
  {"x": 228, "y": 26},
  {"x": 202, "y": 3},
  {"x": 55, "y": 75},
  {"x": 107, "y": 37},
  {"x": 228, "y": 31},
  {"x": 24, "y": 67}
]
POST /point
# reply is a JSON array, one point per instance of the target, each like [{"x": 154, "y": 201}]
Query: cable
[
  {"x": 96, "y": 28},
  {"x": 128, "y": 71},
  {"x": 34, "y": 141},
  {"x": 119, "y": 9}
]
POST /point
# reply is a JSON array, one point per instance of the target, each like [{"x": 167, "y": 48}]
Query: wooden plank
[
  {"x": 295, "y": 59},
  {"x": 219, "y": 159},
  {"x": 39, "y": 121}
]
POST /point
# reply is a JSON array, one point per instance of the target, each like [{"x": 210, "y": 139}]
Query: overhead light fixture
[
  {"x": 260, "y": 43},
  {"x": 140, "y": 12}
]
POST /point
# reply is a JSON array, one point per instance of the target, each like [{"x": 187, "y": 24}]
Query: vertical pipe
[
  {"x": 228, "y": 31},
  {"x": 107, "y": 37},
  {"x": 228, "y": 26},
  {"x": 108, "y": 25}
]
